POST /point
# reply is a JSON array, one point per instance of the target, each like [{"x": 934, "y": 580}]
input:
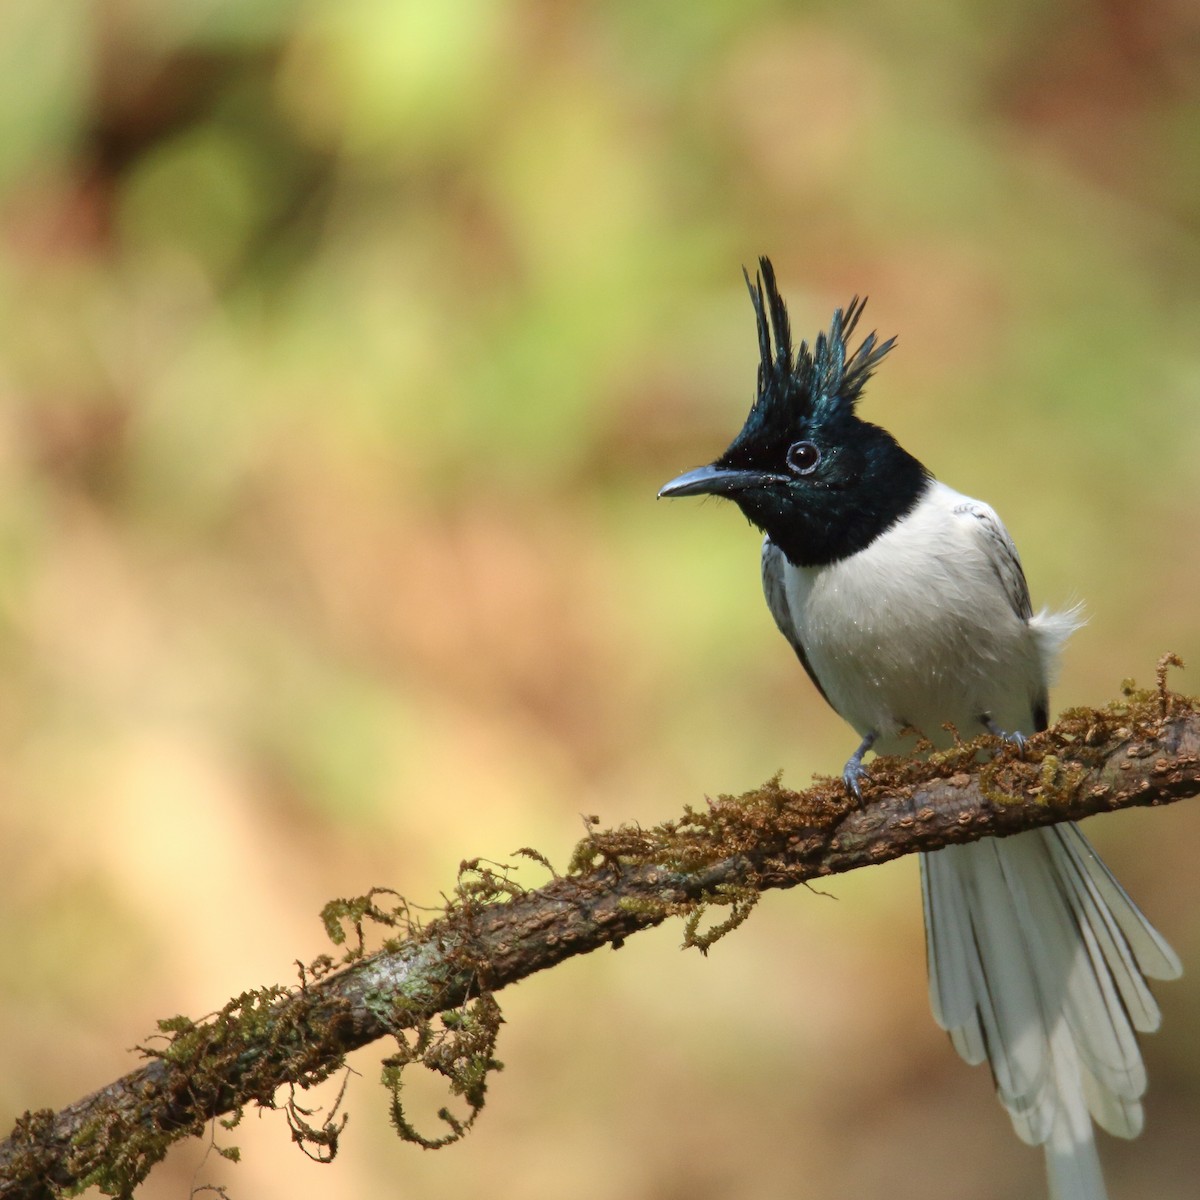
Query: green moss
[
  {"x": 460, "y": 1048},
  {"x": 741, "y": 899},
  {"x": 357, "y": 911}
]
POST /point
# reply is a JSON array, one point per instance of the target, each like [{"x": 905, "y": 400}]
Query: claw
[
  {"x": 1016, "y": 738},
  {"x": 851, "y": 776}
]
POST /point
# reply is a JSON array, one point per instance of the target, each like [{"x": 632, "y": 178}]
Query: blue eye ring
[{"x": 803, "y": 458}]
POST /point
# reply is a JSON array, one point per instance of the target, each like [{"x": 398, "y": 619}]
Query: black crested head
[{"x": 821, "y": 482}]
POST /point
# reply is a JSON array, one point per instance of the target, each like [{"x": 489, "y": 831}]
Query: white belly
[{"x": 918, "y": 630}]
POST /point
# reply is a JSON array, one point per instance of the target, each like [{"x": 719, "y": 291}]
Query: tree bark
[{"x": 1141, "y": 751}]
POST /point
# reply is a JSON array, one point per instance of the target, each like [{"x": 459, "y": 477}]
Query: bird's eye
[{"x": 803, "y": 457}]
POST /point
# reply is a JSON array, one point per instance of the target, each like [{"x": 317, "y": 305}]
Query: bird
[{"x": 906, "y": 603}]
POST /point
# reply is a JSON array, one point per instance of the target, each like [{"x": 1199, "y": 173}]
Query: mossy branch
[{"x": 1142, "y": 750}]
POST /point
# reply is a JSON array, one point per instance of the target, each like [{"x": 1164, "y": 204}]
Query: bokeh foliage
[{"x": 345, "y": 346}]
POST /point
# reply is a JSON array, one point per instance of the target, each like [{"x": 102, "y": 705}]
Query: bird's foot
[
  {"x": 1017, "y": 739},
  {"x": 852, "y": 775},
  {"x": 854, "y": 772}
]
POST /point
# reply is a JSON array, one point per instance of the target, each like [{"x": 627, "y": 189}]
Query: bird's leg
[
  {"x": 1017, "y": 738},
  {"x": 854, "y": 769}
]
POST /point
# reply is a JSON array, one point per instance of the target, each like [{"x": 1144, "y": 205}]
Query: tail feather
[
  {"x": 1072, "y": 1163},
  {"x": 1154, "y": 956},
  {"x": 1037, "y": 962},
  {"x": 1075, "y": 979}
]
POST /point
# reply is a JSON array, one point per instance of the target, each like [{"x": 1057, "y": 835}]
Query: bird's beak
[{"x": 715, "y": 481}]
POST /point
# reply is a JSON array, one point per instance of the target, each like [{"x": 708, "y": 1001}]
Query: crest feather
[{"x": 820, "y": 383}]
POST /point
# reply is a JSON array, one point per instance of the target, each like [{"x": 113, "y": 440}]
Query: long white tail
[{"x": 1038, "y": 962}]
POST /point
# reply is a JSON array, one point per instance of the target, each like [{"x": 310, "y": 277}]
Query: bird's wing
[
  {"x": 1006, "y": 562},
  {"x": 773, "y": 563},
  {"x": 1001, "y": 553}
]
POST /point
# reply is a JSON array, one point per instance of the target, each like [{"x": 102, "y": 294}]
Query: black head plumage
[
  {"x": 817, "y": 479},
  {"x": 804, "y": 386}
]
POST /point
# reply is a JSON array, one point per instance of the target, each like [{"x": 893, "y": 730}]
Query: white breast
[{"x": 920, "y": 627}]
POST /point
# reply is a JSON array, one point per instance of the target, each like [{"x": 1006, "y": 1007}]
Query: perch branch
[{"x": 1141, "y": 751}]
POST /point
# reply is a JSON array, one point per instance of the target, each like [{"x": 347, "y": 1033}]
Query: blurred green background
[{"x": 345, "y": 347}]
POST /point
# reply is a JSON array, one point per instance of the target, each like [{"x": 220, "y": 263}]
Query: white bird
[{"x": 907, "y": 605}]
